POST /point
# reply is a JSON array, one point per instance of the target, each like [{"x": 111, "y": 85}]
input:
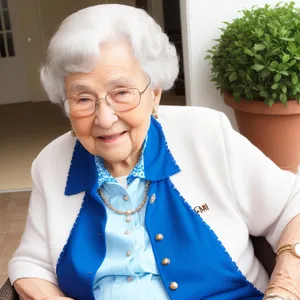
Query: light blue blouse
[{"x": 129, "y": 270}]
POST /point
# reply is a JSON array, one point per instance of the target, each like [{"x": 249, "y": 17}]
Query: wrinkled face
[{"x": 115, "y": 136}]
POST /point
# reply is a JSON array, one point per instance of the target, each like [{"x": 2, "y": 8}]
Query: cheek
[
  {"x": 139, "y": 128},
  {"x": 140, "y": 117},
  {"x": 82, "y": 127},
  {"x": 137, "y": 121}
]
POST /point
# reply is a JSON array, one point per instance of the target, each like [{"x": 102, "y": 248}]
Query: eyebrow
[
  {"x": 81, "y": 88},
  {"x": 118, "y": 82}
]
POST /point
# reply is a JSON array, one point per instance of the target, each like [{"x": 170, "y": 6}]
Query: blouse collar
[{"x": 137, "y": 172}]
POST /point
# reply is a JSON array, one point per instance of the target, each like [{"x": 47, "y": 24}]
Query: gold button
[
  {"x": 173, "y": 285},
  {"x": 125, "y": 197},
  {"x": 153, "y": 198},
  {"x": 165, "y": 261},
  {"x": 159, "y": 237}
]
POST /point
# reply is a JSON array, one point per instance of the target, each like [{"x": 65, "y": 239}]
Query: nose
[{"x": 105, "y": 117}]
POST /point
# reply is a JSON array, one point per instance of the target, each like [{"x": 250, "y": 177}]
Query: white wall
[{"x": 200, "y": 23}]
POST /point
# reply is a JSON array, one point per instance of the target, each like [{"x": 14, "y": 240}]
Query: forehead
[{"x": 117, "y": 66}]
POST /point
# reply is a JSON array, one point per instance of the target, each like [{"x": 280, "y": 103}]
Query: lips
[{"x": 111, "y": 137}]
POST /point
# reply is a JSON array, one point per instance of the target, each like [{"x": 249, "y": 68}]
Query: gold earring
[
  {"x": 73, "y": 134},
  {"x": 155, "y": 112}
]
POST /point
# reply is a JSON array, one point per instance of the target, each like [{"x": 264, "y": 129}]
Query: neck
[{"x": 122, "y": 168}]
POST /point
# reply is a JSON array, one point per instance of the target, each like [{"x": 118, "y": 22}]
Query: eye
[
  {"x": 84, "y": 100},
  {"x": 122, "y": 93}
]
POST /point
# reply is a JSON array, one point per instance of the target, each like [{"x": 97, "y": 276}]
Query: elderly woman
[{"x": 141, "y": 203}]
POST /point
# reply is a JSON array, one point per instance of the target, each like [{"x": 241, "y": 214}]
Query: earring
[
  {"x": 155, "y": 112},
  {"x": 73, "y": 134}
]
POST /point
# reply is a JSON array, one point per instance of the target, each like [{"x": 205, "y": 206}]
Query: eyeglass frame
[{"x": 105, "y": 98}]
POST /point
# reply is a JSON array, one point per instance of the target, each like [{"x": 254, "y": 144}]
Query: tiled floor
[
  {"x": 33, "y": 126},
  {"x": 13, "y": 212}
]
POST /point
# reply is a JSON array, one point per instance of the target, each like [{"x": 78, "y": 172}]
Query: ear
[{"x": 157, "y": 96}]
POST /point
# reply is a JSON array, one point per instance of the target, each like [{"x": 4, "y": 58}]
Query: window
[{"x": 7, "y": 48}]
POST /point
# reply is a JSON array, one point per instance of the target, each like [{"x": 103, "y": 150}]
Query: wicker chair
[
  {"x": 262, "y": 249},
  {"x": 7, "y": 292}
]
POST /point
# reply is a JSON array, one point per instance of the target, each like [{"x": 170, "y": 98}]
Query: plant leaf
[
  {"x": 233, "y": 77},
  {"x": 259, "y": 47},
  {"x": 249, "y": 52},
  {"x": 283, "y": 99},
  {"x": 286, "y": 58},
  {"x": 264, "y": 73},
  {"x": 283, "y": 87},
  {"x": 260, "y": 32},
  {"x": 257, "y": 67},
  {"x": 274, "y": 64},
  {"x": 270, "y": 102},
  {"x": 259, "y": 57},
  {"x": 294, "y": 79},
  {"x": 284, "y": 73},
  {"x": 277, "y": 77},
  {"x": 292, "y": 48}
]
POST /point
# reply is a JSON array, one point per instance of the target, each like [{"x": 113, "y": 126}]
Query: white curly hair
[{"x": 75, "y": 46}]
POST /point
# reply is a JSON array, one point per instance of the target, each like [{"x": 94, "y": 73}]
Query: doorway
[
  {"x": 13, "y": 84},
  {"x": 167, "y": 15}
]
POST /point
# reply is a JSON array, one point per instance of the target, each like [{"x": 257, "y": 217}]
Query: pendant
[{"x": 128, "y": 218}]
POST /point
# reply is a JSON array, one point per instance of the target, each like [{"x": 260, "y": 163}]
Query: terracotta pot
[{"x": 274, "y": 130}]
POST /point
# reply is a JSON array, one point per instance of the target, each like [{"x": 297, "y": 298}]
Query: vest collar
[{"x": 159, "y": 163}]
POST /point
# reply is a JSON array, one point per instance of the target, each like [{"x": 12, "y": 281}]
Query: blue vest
[{"x": 199, "y": 262}]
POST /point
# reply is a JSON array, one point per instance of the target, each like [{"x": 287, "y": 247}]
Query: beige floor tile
[
  {"x": 3, "y": 265},
  {"x": 17, "y": 226},
  {"x": 4, "y": 199},
  {"x": 11, "y": 243},
  {"x": 2, "y": 237},
  {"x": 18, "y": 201},
  {"x": 21, "y": 213},
  {"x": 20, "y": 196},
  {"x": 2, "y": 279},
  {"x": 5, "y": 221}
]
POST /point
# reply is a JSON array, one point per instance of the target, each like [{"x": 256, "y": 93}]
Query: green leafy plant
[{"x": 257, "y": 56}]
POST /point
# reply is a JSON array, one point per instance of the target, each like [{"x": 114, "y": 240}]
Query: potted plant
[{"x": 256, "y": 66}]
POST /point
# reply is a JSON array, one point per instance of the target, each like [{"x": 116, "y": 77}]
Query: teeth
[{"x": 108, "y": 137}]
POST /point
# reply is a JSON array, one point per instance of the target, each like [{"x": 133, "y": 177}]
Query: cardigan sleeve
[
  {"x": 32, "y": 258},
  {"x": 266, "y": 197}
]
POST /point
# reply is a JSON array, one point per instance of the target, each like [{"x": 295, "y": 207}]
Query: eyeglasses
[{"x": 119, "y": 100}]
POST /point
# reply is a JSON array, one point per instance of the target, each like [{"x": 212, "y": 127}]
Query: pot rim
[{"x": 259, "y": 107}]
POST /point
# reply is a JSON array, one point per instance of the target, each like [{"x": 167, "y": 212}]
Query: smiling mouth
[{"x": 111, "y": 137}]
